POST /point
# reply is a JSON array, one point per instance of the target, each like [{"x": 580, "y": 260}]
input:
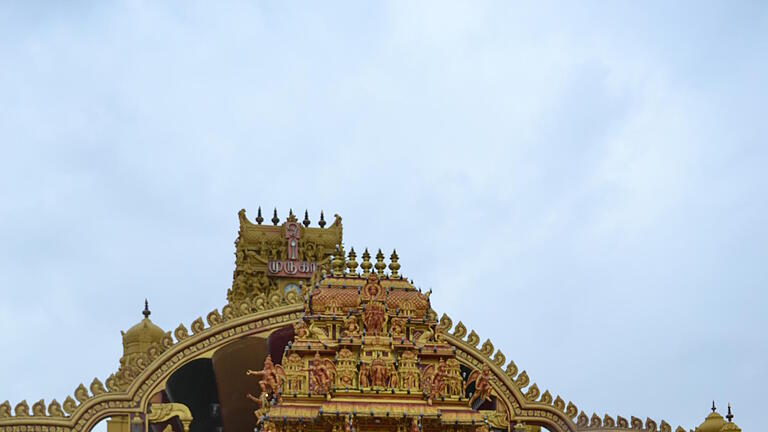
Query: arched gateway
[{"x": 313, "y": 340}]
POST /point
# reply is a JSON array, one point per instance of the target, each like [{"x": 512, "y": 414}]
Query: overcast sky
[{"x": 583, "y": 183}]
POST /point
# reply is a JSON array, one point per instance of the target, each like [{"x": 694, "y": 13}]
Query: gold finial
[
  {"x": 259, "y": 219},
  {"x": 146, "y": 311},
  {"x": 380, "y": 266},
  {"x": 291, "y": 216},
  {"x": 322, "y": 220},
  {"x": 729, "y": 416},
  {"x": 306, "y": 218},
  {"x": 352, "y": 264},
  {"x": 338, "y": 261},
  {"x": 394, "y": 266},
  {"x": 366, "y": 265},
  {"x": 275, "y": 219}
]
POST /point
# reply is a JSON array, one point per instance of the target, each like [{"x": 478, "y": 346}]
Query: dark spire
[
  {"x": 275, "y": 219},
  {"x": 306, "y": 219},
  {"x": 322, "y": 220},
  {"x": 713, "y": 406},
  {"x": 146, "y": 311},
  {"x": 729, "y": 416},
  {"x": 259, "y": 219}
]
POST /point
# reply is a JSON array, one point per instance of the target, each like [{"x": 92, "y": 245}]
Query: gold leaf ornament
[
  {"x": 213, "y": 318},
  {"x": 54, "y": 409},
  {"x": 38, "y": 408},
  {"x": 582, "y": 421},
  {"x": 460, "y": 331},
  {"x": 473, "y": 339},
  {"x": 571, "y": 411},
  {"x": 487, "y": 348},
  {"x": 445, "y": 323},
  {"x": 97, "y": 387},
  {"x": 69, "y": 406},
  {"x": 181, "y": 333},
  {"x": 21, "y": 409},
  {"x": 197, "y": 326},
  {"x": 533, "y": 393},
  {"x": 522, "y": 379},
  {"x": 559, "y": 403},
  {"x": 81, "y": 394},
  {"x": 595, "y": 421}
]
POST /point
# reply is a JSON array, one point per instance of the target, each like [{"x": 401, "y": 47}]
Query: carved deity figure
[
  {"x": 379, "y": 373},
  {"x": 398, "y": 327},
  {"x": 351, "y": 328},
  {"x": 322, "y": 373},
  {"x": 394, "y": 380},
  {"x": 482, "y": 381},
  {"x": 364, "y": 378},
  {"x": 272, "y": 378},
  {"x": 301, "y": 330},
  {"x": 374, "y": 317}
]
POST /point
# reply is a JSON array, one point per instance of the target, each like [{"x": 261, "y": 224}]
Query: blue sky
[{"x": 583, "y": 183}]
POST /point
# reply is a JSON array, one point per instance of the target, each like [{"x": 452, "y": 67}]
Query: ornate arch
[
  {"x": 150, "y": 371},
  {"x": 531, "y": 406}
]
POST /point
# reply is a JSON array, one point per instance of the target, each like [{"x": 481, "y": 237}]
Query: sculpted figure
[
  {"x": 393, "y": 378},
  {"x": 398, "y": 327},
  {"x": 351, "y": 328},
  {"x": 321, "y": 373},
  {"x": 379, "y": 373},
  {"x": 374, "y": 317},
  {"x": 482, "y": 380},
  {"x": 364, "y": 377},
  {"x": 301, "y": 330},
  {"x": 272, "y": 378},
  {"x": 425, "y": 337}
]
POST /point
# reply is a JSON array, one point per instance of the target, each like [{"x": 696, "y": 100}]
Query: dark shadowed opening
[{"x": 194, "y": 385}]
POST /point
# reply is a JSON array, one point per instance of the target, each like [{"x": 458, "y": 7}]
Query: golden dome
[
  {"x": 713, "y": 423},
  {"x": 141, "y": 336},
  {"x": 730, "y": 426}
]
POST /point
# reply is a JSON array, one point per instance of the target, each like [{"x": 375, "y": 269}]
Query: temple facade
[{"x": 313, "y": 338}]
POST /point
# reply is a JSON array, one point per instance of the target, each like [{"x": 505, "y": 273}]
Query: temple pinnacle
[
  {"x": 259, "y": 219},
  {"x": 306, "y": 218},
  {"x": 713, "y": 406},
  {"x": 275, "y": 219},
  {"x": 146, "y": 311},
  {"x": 729, "y": 416},
  {"x": 322, "y": 220}
]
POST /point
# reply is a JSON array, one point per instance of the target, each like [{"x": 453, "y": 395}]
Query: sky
[{"x": 584, "y": 183}]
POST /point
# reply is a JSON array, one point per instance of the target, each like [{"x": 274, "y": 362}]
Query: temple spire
[
  {"x": 729, "y": 416},
  {"x": 259, "y": 219},
  {"x": 713, "y": 406},
  {"x": 146, "y": 312}
]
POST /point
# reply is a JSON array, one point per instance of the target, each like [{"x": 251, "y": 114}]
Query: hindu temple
[{"x": 317, "y": 338}]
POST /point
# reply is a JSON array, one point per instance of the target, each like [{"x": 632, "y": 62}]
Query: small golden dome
[
  {"x": 713, "y": 423},
  {"x": 730, "y": 426},
  {"x": 141, "y": 336}
]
